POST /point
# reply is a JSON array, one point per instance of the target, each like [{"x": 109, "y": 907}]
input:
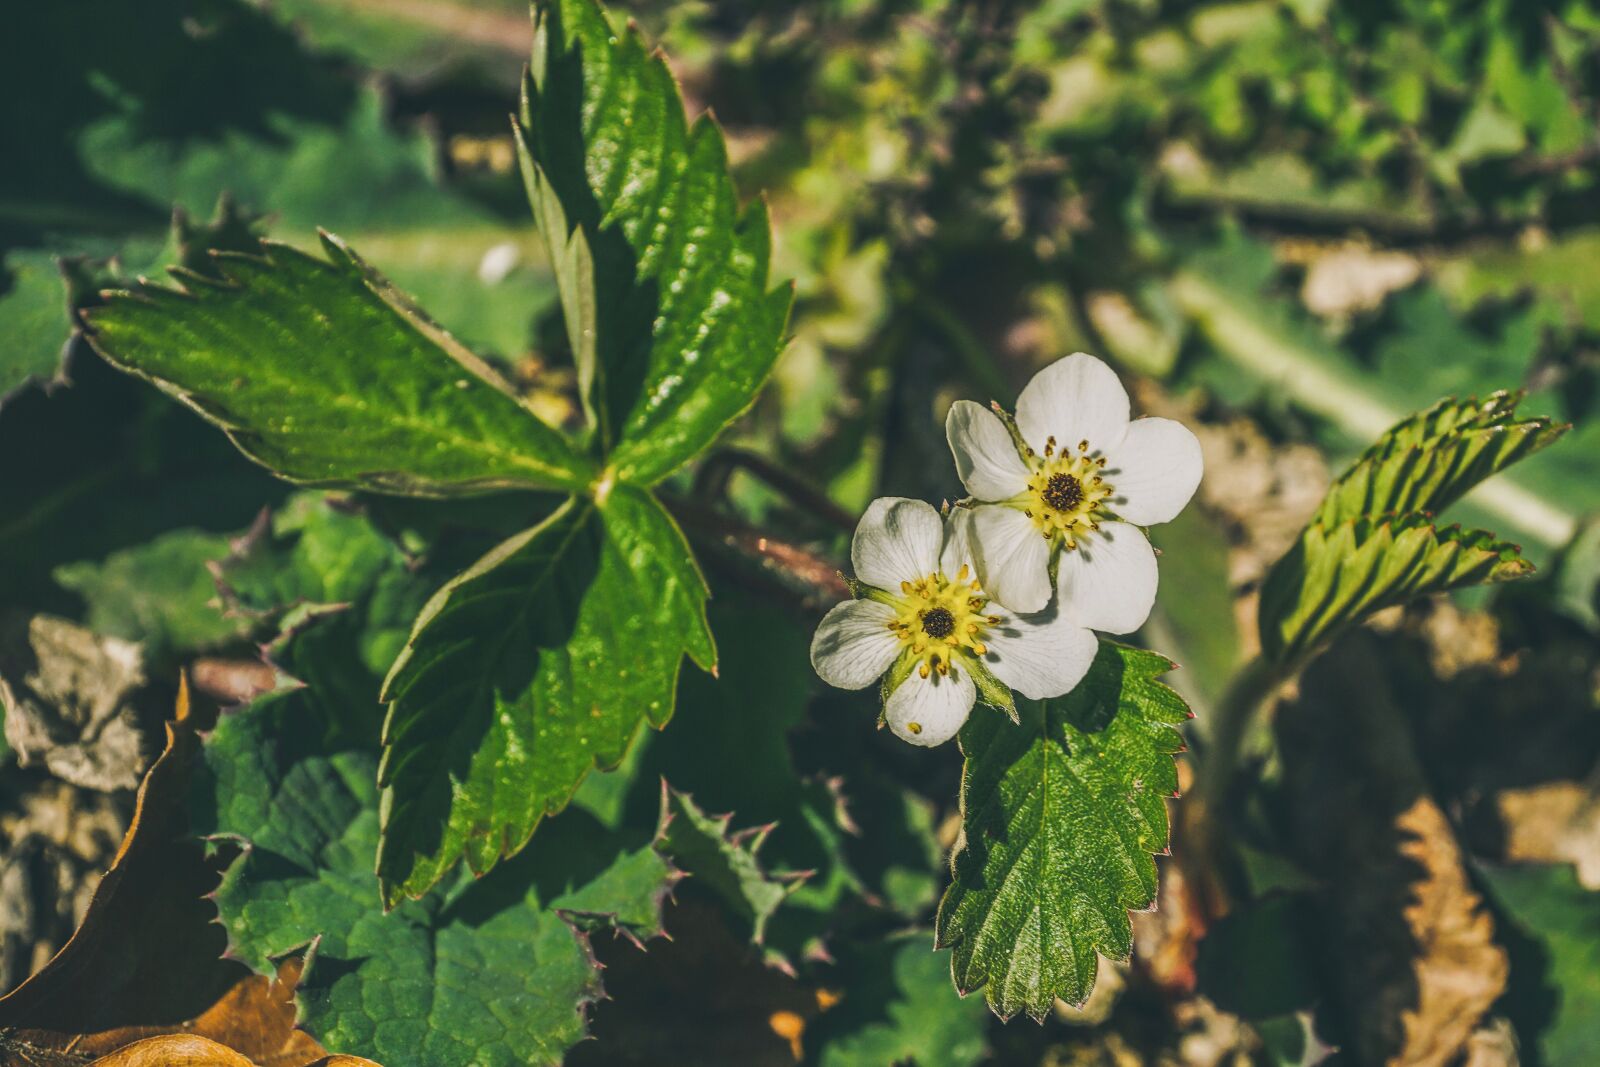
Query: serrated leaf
[
  {"x": 526, "y": 671},
  {"x": 1373, "y": 542},
  {"x": 725, "y": 861},
  {"x": 1060, "y": 816},
  {"x": 322, "y": 372},
  {"x": 1334, "y": 577},
  {"x": 313, "y": 550},
  {"x": 491, "y": 972},
  {"x": 663, "y": 277},
  {"x": 1427, "y": 461}
]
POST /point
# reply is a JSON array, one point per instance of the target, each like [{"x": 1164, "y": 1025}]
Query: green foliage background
[{"x": 1291, "y": 223}]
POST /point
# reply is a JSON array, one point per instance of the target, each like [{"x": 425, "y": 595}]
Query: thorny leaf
[
  {"x": 68, "y": 695},
  {"x": 725, "y": 860}
]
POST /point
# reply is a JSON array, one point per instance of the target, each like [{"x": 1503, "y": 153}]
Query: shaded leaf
[
  {"x": 325, "y": 374},
  {"x": 522, "y": 674},
  {"x": 486, "y": 972},
  {"x": 1060, "y": 816},
  {"x": 725, "y": 861},
  {"x": 1554, "y": 999},
  {"x": 663, "y": 277},
  {"x": 1409, "y": 959},
  {"x": 898, "y": 1007},
  {"x": 160, "y": 594}
]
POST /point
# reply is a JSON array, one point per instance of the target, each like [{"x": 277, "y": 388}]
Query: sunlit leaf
[{"x": 1060, "y": 816}]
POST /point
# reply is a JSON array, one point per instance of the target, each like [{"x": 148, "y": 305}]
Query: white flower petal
[
  {"x": 897, "y": 540},
  {"x": 1077, "y": 398},
  {"x": 1154, "y": 471},
  {"x": 930, "y": 711},
  {"x": 959, "y": 538},
  {"x": 1041, "y": 655},
  {"x": 853, "y": 645},
  {"x": 1013, "y": 558},
  {"x": 986, "y": 456},
  {"x": 1109, "y": 582}
]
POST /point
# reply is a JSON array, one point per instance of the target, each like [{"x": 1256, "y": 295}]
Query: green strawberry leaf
[
  {"x": 1427, "y": 461},
  {"x": 1334, "y": 577},
  {"x": 1060, "y": 816},
  {"x": 725, "y": 862},
  {"x": 489, "y": 973},
  {"x": 663, "y": 278},
  {"x": 160, "y": 593},
  {"x": 523, "y": 673},
  {"x": 322, "y": 372},
  {"x": 1373, "y": 542}
]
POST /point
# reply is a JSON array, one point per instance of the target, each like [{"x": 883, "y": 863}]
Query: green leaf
[
  {"x": 526, "y": 671},
  {"x": 898, "y": 1007},
  {"x": 1335, "y": 577},
  {"x": 33, "y": 316},
  {"x": 1060, "y": 816},
  {"x": 663, "y": 278},
  {"x": 1427, "y": 461},
  {"x": 1554, "y": 997},
  {"x": 490, "y": 973},
  {"x": 314, "y": 550},
  {"x": 725, "y": 862},
  {"x": 1373, "y": 542},
  {"x": 160, "y": 593},
  {"x": 325, "y": 374}
]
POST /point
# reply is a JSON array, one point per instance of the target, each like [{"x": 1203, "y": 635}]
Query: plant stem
[{"x": 712, "y": 482}]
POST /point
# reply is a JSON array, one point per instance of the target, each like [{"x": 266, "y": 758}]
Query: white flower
[
  {"x": 923, "y": 620},
  {"x": 1071, "y": 477}
]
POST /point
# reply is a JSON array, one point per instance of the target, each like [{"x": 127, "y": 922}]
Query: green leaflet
[
  {"x": 663, "y": 278},
  {"x": 725, "y": 862},
  {"x": 1059, "y": 818},
  {"x": 1373, "y": 542},
  {"x": 489, "y": 973},
  {"x": 533, "y": 666},
  {"x": 1554, "y": 916},
  {"x": 33, "y": 308},
  {"x": 160, "y": 593},
  {"x": 324, "y": 373},
  {"x": 1427, "y": 461},
  {"x": 899, "y": 1008}
]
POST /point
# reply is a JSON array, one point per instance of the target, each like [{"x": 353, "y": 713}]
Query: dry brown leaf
[
  {"x": 191, "y": 1050},
  {"x": 174, "y": 1050},
  {"x": 147, "y": 961},
  {"x": 1410, "y": 948}
]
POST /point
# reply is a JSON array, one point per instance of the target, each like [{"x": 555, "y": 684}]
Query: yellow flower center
[
  {"x": 937, "y": 618},
  {"x": 1064, "y": 492}
]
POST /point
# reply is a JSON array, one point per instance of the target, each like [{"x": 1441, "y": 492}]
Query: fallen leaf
[
  {"x": 1409, "y": 948},
  {"x": 68, "y": 695},
  {"x": 143, "y": 980}
]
